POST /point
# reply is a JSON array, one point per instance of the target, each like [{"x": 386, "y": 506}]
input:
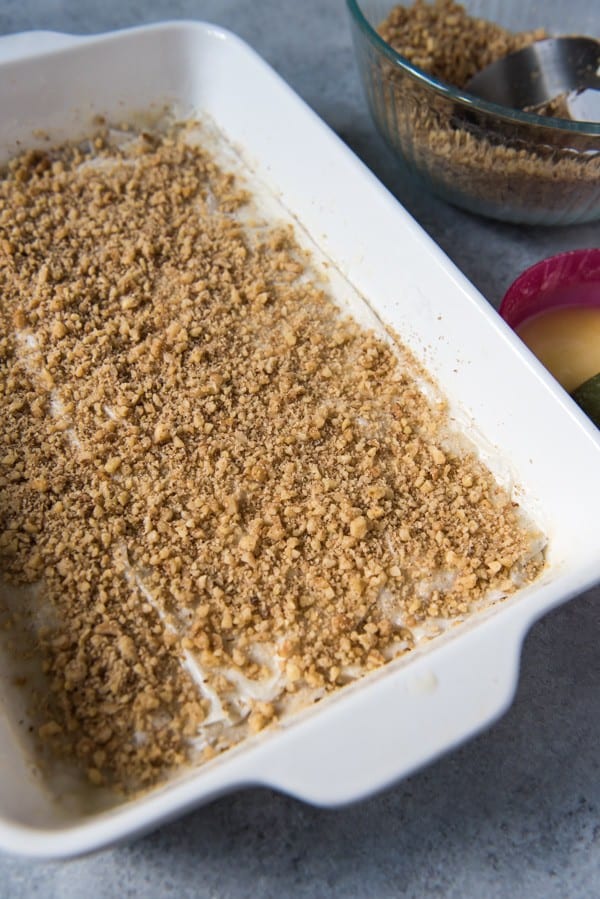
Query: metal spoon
[{"x": 562, "y": 68}]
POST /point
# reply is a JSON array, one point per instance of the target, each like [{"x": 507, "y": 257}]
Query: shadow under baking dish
[{"x": 356, "y": 741}]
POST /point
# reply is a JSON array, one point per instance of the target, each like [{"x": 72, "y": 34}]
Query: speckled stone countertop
[{"x": 515, "y": 812}]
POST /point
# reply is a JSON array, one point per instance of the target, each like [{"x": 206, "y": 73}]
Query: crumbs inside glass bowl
[{"x": 501, "y": 163}]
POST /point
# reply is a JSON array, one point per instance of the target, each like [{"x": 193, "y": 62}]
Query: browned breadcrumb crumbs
[
  {"x": 444, "y": 40},
  {"x": 201, "y": 459},
  {"x": 477, "y": 160}
]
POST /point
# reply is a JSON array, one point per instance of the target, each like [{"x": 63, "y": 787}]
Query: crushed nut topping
[
  {"x": 443, "y": 39},
  {"x": 229, "y": 495}
]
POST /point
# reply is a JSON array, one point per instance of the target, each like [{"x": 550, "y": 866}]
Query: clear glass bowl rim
[{"x": 456, "y": 95}]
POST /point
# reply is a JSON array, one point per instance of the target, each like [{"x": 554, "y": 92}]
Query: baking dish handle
[
  {"x": 398, "y": 722},
  {"x": 29, "y": 43}
]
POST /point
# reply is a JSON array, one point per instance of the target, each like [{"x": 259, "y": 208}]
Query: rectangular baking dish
[{"x": 396, "y": 720}]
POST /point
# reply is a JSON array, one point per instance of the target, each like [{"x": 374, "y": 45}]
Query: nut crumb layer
[
  {"x": 230, "y": 497},
  {"x": 443, "y": 39}
]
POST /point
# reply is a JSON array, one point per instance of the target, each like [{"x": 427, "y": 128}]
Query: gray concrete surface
[{"x": 515, "y": 812}]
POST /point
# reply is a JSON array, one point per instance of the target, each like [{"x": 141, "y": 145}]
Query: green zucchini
[{"x": 587, "y": 395}]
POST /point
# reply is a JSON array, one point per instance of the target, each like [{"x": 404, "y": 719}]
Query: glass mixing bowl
[{"x": 492, "y": 160}]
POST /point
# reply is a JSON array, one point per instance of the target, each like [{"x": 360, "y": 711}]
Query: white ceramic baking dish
[{"x": 403, "y": 716}]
